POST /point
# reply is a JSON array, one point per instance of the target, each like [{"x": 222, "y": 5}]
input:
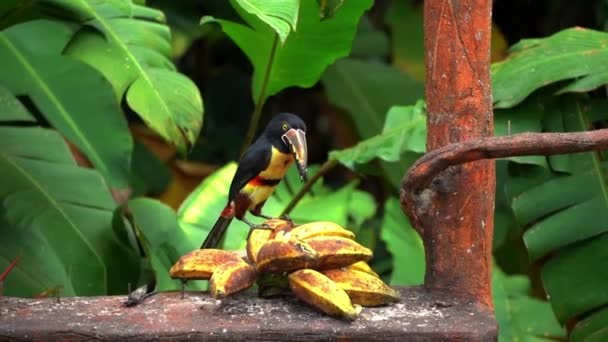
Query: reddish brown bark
[{"x": 457, "y": 222}]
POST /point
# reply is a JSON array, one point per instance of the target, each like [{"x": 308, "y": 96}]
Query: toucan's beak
[{"x": 296, "y": 140}]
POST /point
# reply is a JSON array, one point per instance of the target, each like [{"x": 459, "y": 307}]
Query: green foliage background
[{"x": 103, "y": 147}]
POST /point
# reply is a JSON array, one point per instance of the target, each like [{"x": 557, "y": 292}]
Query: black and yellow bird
[{"x": 260, "y": 170}]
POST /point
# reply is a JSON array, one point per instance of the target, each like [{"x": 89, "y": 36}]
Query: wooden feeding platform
[{"x": 419, "y": 316}]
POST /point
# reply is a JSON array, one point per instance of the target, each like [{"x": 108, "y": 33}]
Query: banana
[
  {"x": 230, "y": 278},
  {"x": 321, "y": 292},
  {"x": 363, "y": 288},
  {"x": 201, "y": 263},
  {"x": 257, "y": 236},
  {"x": 283, "y": 255},
  {"x": 363, "y": 267},
  {"x": 255, "y": 241},
  {"x": 337, "y": 251},
  {"x": 323, "y": 228}
]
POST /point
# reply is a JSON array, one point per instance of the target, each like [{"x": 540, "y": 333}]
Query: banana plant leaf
[{"x": 57, "y": 217}]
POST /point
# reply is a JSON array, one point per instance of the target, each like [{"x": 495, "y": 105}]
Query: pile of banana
[{"x": 322, "y": 263}]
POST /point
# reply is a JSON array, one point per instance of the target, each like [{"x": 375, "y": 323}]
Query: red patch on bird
[
  {"x": 256, "y": 181},
  {"x": 228, "y": 211}
]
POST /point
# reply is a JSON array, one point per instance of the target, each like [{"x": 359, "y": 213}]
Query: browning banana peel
[
  {"x": 231, "y": 278},
  {"x": 314, "y": 229},
  {"x": 201, "y": 263},
  {"x": 321, "y": 292},
  {"x": 336, "y": 251},
  {"x": 363, "y": 288},
  {"x": 283, "y": 255}
]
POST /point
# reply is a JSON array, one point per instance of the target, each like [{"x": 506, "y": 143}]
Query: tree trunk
[{"x": 455, "y": 214}]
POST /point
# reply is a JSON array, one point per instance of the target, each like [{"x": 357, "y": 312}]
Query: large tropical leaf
[
  {"x": 131, "y": 46},
  {"x": 281, "y": 16},
  {"x": 199, "y": 211},
  {"x": 58, "y": 217},
  {"x": 567, "y": 219},
  {"x": 306, "y": 52},
  {"x": 521, "y": 317},
  {"x": 574, "y": 53},
  {"x": 71, "y": 95}
]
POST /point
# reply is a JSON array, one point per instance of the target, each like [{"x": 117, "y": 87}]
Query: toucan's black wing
[{"x": 255, "y": 160}]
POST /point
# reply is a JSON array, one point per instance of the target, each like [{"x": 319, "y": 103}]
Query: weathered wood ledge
[{"x": 418, "y": 317}]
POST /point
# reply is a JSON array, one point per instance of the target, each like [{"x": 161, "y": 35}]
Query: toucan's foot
[
  {"x": 140, "y": 294},
  {"x": 253, "y": 226},
  {"x": 287, "y": 218}
]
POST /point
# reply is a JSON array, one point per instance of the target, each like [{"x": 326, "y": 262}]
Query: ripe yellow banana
[
  {"x": 283, "y": 255},
  {"x": 257, "y": 238},
  {"x": 321, "y": 292},
  {"x": 230, "y": 278},
  {"x": 363, "y": 288},
  {"x": 201, "y": 263},
  {"x": 337, "y": 251},
  {"x": 323, "y": 228}
]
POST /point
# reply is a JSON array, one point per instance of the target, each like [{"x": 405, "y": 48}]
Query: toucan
[{"x": 260, "y": 170}]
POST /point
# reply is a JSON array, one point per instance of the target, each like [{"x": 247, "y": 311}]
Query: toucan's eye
[{"x": 285, "y": 126}]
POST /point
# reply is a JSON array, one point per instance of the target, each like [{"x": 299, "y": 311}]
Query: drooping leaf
[
  {"x": 367, "y": 90},
  {"x": 404, "y": 130},
  {"x": 72, "y": 96},
  {"x": 306, "y": 53},
  {"x": 281, "y": 16},
  {"x": 131, "y": 46},
  {"x": 404, "y": 244},
  {"x": 574, "y": 53},
  {"x": 162, "y": 238},
  {"x": 521, "y": 317},
  {"x": 58, "y": 217}
]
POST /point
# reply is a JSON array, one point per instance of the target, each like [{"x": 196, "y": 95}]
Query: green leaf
[
  {"x": 404, "y": 130},
  {"x": 11, "y": 108},
  {"x": 407, "y": 28},
  {"x": 281, "y": 16},
  {"x": 72, "y": 96},
  {"x": 367, "y": 90},
  {"x": 149, "y": 174},
  {"x": 369, "y": 42},
  {"x": 572, "y": 53},
  {"x": 592, "y": 328},
  {"x": 405, "y": 245},
  {"x": 565, "y": 211},
  {"x": 521, "y": 317},
  {"x": 163, "y": 239},
  {"x": 131, "y": 47},
  {"x": 306, "y": 53},
  {"x": 58, "y": 217},
  {"x": 575, "y": 279},
  {"x": 525, "y": 117}
]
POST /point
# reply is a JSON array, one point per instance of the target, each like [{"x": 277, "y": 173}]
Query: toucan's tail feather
[{"x": 215, "y": 235}]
